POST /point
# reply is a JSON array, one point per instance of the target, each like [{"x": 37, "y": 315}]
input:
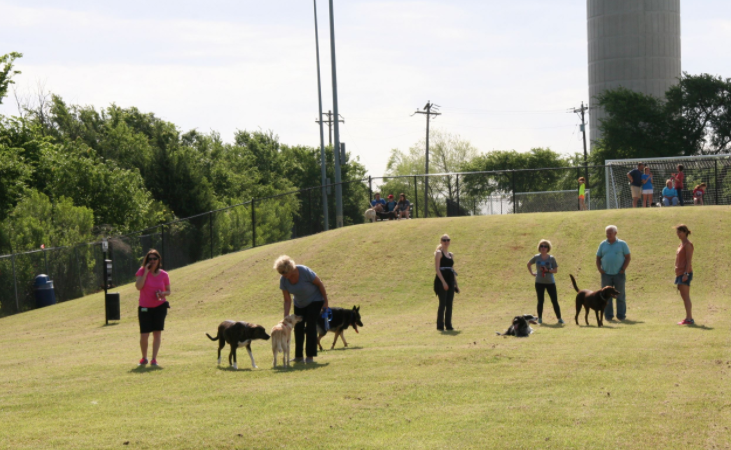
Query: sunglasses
[
  {"x": 153, "y": 258},
  {"x": 446, "y": 240},
  {"x": 542, "y": 246}
]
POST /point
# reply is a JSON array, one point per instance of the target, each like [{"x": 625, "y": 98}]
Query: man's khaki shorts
[{"x": 636, "y": 191}]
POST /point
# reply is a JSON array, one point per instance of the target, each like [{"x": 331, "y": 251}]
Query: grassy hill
[{"x": 68, "y": 381}]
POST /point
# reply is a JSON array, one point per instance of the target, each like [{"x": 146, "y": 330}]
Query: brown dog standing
[
  {"x": 282, "y": 337},
  {"x": 596, "y": 300}
]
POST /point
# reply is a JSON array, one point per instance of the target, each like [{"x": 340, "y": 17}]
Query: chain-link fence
[
  {"x": 496, "y": 192},
  {"x": 77, "y": 270}
]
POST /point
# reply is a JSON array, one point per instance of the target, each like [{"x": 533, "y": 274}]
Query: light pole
[
  {"x": 323, "y": 167},
  {"x": 336, "y": 146}
]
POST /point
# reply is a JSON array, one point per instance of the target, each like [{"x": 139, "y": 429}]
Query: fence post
[
  {"x": 416, "y": 198},
  {"x": 45, "y": 261},
  {"x": 459, "y": 210},
  {"x": 78, "y": 267},
  {"x": 309, "y": 194},
  {"x": 253, "y": 223},
  {"x": 15, "y": 284},
  {"x": 210, "y": 230},
  {"x": 370, "y": 188},
  {"x": 512, "y": 182},
  {"x": 715, "y": 176},
  {"x": 426, "y": 196},
  {"x": 162, "y": 237}
]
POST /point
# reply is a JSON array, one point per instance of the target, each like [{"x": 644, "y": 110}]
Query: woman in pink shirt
[{"x": 154, "y": 286}]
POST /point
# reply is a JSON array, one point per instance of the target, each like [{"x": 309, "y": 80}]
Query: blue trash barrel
[{"x": 45, "y": 295}]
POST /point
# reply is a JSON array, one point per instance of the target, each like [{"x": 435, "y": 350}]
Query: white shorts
[{"x": 647, "y": 192}]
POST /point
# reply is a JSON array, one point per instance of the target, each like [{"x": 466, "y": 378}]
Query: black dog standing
[{"x": 445, "y": 283}]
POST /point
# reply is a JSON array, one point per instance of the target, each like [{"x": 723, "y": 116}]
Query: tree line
[{"x": 69, "y": 173}]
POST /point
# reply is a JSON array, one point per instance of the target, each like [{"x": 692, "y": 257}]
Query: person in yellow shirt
[{"x": 582, "y": 191}]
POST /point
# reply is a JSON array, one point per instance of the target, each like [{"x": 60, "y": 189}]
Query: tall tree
[{"x": 7, "y": 72}]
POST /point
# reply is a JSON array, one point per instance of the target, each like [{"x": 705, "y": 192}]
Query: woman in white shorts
[{"x": 647, "y": 188}]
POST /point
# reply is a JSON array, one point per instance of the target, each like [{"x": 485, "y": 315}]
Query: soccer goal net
[
  {"x": 713, "y": 170},
  {"x": 547, "y": 201}
]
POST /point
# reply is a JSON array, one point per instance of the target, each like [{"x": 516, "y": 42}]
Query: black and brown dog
[
  {"x": 596, "y": 300},
  {"x": 520, "y": 326},
  {"x": 341, "y": 320},
  {"x": 238, "y": 334}
]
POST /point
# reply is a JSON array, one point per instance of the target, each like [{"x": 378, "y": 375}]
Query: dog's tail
[
  {"x": 212, "y": 338},
  {"x": 573, "y": 281}
]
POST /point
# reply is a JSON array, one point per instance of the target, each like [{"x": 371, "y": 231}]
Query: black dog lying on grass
[{"x": 520, "y": 327}]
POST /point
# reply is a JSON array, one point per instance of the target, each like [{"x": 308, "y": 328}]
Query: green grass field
[{"x": 68, "y": 381}]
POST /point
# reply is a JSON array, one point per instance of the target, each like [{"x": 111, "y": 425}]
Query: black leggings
[
  {"x": 551, "y": 288},
  {"x": 444, "y": 313},
  {"x": 307, "y": 328}
]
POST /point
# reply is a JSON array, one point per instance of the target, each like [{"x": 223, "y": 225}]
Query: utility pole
[
  {"x": 323, "y": 167},
  {"x": 336, "y": 147},
  {"x": 430, "y": 109},
  {"x": 329, "y": 123},
  {"x": 581, "y": 112}
]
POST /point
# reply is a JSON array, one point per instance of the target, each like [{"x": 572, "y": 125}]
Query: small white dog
[
  {"x": 282, "y": 336},
  {"x": 370, "y": 215}
]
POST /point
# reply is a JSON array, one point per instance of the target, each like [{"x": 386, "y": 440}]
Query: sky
[{"x": 504, "y": 73}]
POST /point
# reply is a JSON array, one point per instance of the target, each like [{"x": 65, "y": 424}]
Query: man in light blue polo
[{"x": 612, "y": 259}]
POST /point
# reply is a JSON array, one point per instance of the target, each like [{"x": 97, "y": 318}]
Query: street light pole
[
  {"x": 336, "y": 146},
  {"x": 323, "y": 166}
]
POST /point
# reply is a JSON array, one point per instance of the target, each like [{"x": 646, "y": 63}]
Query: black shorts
[{"x": 152, "y": 319}]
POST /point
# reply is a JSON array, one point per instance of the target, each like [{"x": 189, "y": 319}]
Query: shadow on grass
[
  {"x": 105, "y": 325},
  {"x": 451, "y": 332},
  {"x": 340, "y": 349},
  {"x": 699, "y": 327},
  {"x": 145, "y": 369},
  {"x": 298, "y": 367},
  {"x": 630, "y": 322},
  {"x": 553, "y": 325}
]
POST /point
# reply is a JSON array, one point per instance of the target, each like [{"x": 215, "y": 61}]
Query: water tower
[{"x": 634, "y": 44}]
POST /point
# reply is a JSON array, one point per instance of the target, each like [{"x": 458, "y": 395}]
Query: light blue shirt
[
  {"x": 667, "y": 192},
  {"x": 612, "y": 255},
  {"x": 304, "y": 291}
]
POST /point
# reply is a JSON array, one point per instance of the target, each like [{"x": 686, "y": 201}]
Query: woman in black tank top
[{"x": 445, "y": 283}]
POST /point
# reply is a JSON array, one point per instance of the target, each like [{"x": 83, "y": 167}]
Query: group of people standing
[
  {"x": 391, "y": 209},
  {"x": 612, "y": 259},
  {"x": 641, "y": 184},
  {"x": 301, "y": 286}
]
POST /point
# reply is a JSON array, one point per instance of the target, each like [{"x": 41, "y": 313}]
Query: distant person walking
[
  {"x": 546, "y": 266},
  {"x": 647, "y": 189},
  {"x": 635, "y": 183},
  {"x": 582, "y": 192},
  {"x": 310, "y": 301},
  {"x": 154, "y": 286},
  {"x": 612, "y": 259},
  {"x": 678, "y": 180},
  {"x": 684, "y": 271},
  {"x": 445, "y": 283}
]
